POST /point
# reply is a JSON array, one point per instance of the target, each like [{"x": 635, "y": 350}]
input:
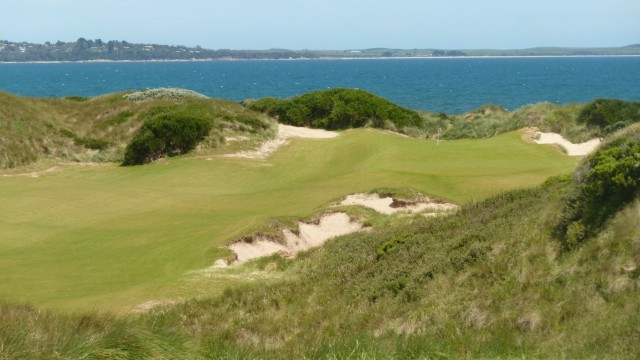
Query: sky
[{"x": 328, "y": 24}]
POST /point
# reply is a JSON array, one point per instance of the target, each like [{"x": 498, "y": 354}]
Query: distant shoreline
[{"x": 326, "y": 58}]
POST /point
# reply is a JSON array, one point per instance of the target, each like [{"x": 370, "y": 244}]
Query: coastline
[{"x": 325, "y": 58}]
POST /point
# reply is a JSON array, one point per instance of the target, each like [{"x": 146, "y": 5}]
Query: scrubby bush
[
  {"x": 167, "y": 131},
  {"x": 163, "y": 93},
  {"x": 338, "y": 109},
  {"x": 610, "y": 115},
  {"x": 606, "y": 182}
]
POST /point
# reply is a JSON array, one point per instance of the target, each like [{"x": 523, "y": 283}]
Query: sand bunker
[
  {"x": 267, "y": 148},
  {"x": 284, "y": 132},
  {"x": 288, "y": 131},
  {"x": 572, "y": 149},
  {"x": 389, "y": 205},
  {"x": 309, "y": 236}
]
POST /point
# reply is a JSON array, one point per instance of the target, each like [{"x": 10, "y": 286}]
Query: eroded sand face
[
  {"x": 284, "y": 132},
  {"x": 572, "y": 149},
  {"x": 288, "y": 131},
  {"x": 387, "y": 205},
  {"x": 309, "y": 236}
]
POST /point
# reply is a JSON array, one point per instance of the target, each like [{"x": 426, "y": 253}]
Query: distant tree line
[
  {"x": 87, "y": 50},
  {"x": 440, "y": 53},
  {"x": 97, "y": 49}
]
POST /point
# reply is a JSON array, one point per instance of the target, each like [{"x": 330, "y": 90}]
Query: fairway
[{"x": 110, "y": 237}]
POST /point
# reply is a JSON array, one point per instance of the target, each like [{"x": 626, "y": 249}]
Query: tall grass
[{"x": 99, "y": 129}]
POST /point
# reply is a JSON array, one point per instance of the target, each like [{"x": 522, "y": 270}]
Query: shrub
[
  {"x": 166, "y": 132},
  {"x": 338, "y": 109},
  {"x": 163, "y": 93},
  {"x": 610, "y": 115},
  {"x": 606, "y": 182}
]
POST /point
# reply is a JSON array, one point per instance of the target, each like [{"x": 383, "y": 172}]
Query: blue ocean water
[{"x": 441, "y": 85}]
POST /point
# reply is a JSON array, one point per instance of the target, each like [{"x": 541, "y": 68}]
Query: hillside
[
  {"x": 99, "y": 260},
  {"x": 78, "y": 129},
  {"x": 103, "y": 129},
  {"x": 491, "y": 281}
]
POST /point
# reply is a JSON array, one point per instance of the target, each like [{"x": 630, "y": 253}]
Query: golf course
[
  {"x": 122, "y": 214},
  {"x": 111, "y": 237}
]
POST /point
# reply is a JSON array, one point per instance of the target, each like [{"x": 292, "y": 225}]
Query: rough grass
[{"x": 98, "y": 129}]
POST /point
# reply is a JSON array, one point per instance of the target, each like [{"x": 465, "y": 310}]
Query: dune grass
[
  {"x": 98, "y": 129},
  {"x": 110, "y": 237}
]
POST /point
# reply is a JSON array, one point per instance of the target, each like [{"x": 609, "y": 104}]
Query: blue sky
[{"x": 328, "y": 24}]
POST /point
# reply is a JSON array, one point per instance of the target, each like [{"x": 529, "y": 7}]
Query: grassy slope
[
  {"x": 488, "y": 282},
  {"x": 111, "y": 237},
  {"x": 33, "y": 129}
]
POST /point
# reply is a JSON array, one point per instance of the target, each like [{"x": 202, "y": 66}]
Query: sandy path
[{"x": 284, "y": 132}]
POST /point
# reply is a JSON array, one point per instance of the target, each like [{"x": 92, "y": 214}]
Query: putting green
[{"x": 111, "y": 237}]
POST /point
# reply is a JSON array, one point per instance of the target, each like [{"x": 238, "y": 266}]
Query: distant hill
[{"x": 114, "y": 50}]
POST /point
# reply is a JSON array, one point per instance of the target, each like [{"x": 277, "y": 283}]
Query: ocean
[{"x": 450, "y": 85}]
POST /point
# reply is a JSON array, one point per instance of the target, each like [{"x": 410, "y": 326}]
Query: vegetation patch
[
  {"x": 163, "y": 93},
  {"x": 87, "y": 142},
  {"x": 606, "y": 182},
  {"x": 76, "y": 98},
  {"x": 167, "y": 131},
  {"x": 610, "y": 115},
  {"x": 335, "y": 109}
]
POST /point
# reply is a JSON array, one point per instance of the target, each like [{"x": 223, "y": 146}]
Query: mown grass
[{"x": 113, "y": 237}]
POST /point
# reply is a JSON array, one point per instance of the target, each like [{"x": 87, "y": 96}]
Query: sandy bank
[
  {"x": 284, "y": 132},
  {"x": 309, "y": 235},
  {"x": 389, "y": 205},
  {"x": 571, "y": 149}
]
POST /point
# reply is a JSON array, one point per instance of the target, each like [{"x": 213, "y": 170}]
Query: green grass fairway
[{"x": 110, "y": 237}]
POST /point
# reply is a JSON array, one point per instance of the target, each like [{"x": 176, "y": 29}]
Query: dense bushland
[
  {"x": 167, "y": 131},
  {"x": 606, "y": 181},
  {"x": 610, "y": 115},
  {"x": 335, "y": 109}
]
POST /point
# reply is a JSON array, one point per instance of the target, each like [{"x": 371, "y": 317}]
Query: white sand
[
  {"x": 288, "y": 131},
  {"x": 284, "y": 132},
  {"x": 572, "y": 149},
  {"x": 267, "y": 148},
  {"x": 310, "y": 236},
  {"x": 386, "y": 205}
]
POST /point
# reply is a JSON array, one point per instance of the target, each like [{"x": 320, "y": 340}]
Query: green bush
[
  {"x": 167, "y": 131},
  {"x": 335, "y": 109},
  {"x": 606, "y": 182},
  {"x": 610, "y": 115}
]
